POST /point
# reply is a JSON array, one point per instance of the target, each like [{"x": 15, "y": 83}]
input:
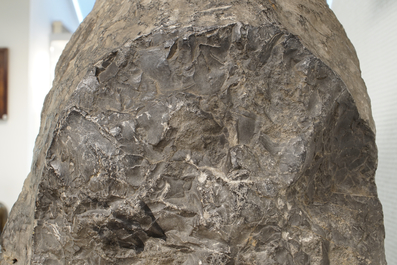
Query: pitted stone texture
[{"x": 228, "y": 144}]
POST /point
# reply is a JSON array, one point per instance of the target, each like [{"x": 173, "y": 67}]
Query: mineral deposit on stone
[{"x": 203, "y": 132}]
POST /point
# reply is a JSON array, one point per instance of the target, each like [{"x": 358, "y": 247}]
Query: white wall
[
  {"x": 14, "y": 153},
  {"x": 372, "y": 27},
  {"x": 25, "y": 28}
]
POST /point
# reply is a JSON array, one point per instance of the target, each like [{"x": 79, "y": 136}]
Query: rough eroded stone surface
[{"x": 200, "y": 143}]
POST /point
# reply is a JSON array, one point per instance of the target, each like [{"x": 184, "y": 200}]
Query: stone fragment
[{"x": 190, "y": 132}]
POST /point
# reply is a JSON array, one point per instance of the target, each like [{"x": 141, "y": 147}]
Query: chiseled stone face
[{"x": 230, "y": 144}]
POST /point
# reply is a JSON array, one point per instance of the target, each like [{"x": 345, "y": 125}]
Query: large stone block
[{"x": 189, "y": 132}]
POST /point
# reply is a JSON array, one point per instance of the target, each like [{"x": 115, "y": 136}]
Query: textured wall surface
[
  {"x": 377, "y": 61},
  {"x": 191, "y": 133}
]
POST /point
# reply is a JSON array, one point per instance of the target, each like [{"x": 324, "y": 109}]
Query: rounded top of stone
[{"x": 311, "y": 20}]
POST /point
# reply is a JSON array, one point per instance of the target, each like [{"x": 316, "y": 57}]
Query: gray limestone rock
[{"x": 190, "y": 132}]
